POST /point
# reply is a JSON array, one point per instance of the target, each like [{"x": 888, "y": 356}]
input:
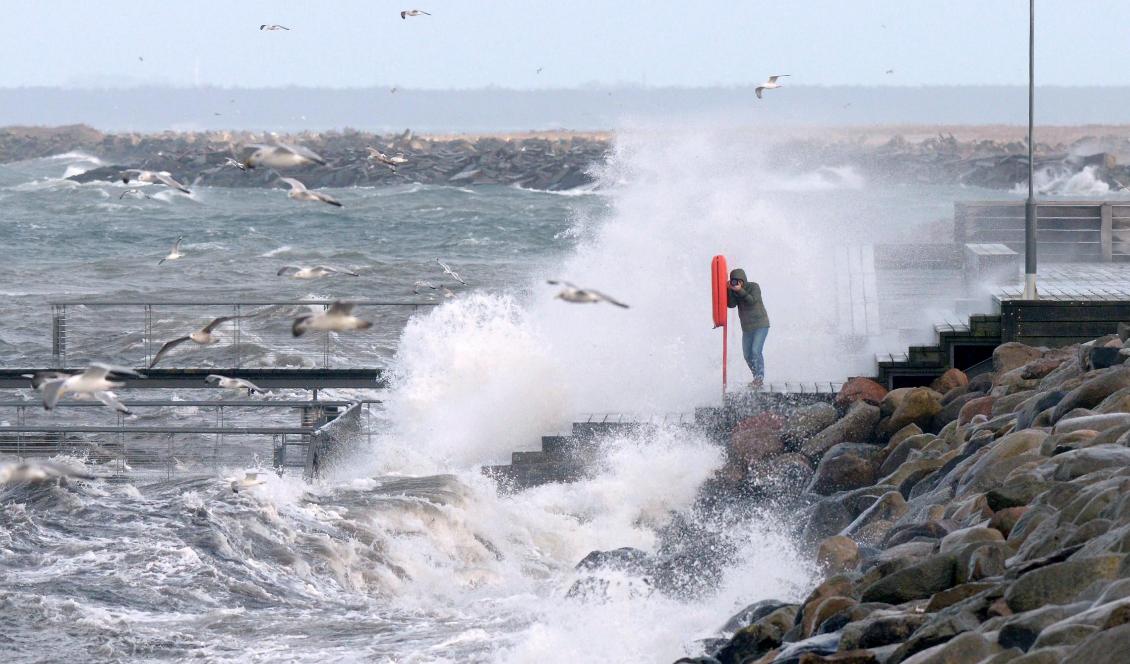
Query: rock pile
[{"x": 982, "y": 519}]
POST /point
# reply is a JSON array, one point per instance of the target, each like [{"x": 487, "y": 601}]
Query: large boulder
[
  {"x": 961, "y": 649},
  {"x": 981, "y": 405},
  {"x": 949, "y": 380},
  {"x": 846, "y": 466},
  {"x": 759, "y": 638},
  {"x": 919, "y": 407},
  {"x": 918, "y": 581},
  {"x": 860, "y": 389},
  {"x": 1100, "y": 422},
  {"x": 1106, "y": 647},
  {"x": 1078, "y": 463},
  {"x": 1093, "y": 391},
  {"x": 1059, "y": 583},
  {"x": 752, "y": 445},
  {"x": 806, "y": 422},
  {"x": 856, "y": 426},
  {"x": 1013, "y": 355}
]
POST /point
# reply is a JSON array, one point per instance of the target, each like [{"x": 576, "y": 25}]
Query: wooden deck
[{"x": 1076, "y": 282}]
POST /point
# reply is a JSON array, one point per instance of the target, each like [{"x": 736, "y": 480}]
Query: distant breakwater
[{"x": 563, "y": 160}]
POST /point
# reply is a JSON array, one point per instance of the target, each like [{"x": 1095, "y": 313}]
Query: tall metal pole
[{"x": 1030, "y": 204}]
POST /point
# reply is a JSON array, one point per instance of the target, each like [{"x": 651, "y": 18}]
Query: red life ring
[{"x": 720, "y": 286}]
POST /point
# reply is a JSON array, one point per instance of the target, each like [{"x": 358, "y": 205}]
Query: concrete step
[
  {"x": 526, "y": 475},
  {"x": 538, "y": 456}
]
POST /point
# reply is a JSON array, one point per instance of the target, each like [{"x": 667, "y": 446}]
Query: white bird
[
  {"x": 134, "y": 193},
  {"x": 282, "y": 155},
  {"x": 246, "y": 482},
  {"x": 39, "y": 471},
  {"x": 771, "y": 84},
  {"x": 153, "y": 177},
  {"x": 107, "y": 398},
  {"x": 227, "y": 383},
  {"x": 203, "y": 336},
  {"x": 447, "y": 270},
  {"x": 423, "y": 284},
  {"x": 175, "y": 253},
  {"x": 413, "y": 12},
  {"x": 40, "y": 378},
  {"x": 338, "y": 318},
  {"x": 315, "y": 272},
  {"x": 299, "y": 192},
  {"x": 572, "y": 293},
  {"x": 228, "y": 161},
  {"x": 93, "y": 381},
  {"x": 392, "y": 162},
  {"x": 273, "y": 27}
]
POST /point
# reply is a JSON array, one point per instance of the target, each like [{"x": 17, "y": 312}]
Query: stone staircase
[{"x": 963, "y": 345}]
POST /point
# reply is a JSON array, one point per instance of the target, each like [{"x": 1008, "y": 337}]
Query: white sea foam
[
  {"x": 1058, "y": 182},
  {"x": 286, "y": 248}
]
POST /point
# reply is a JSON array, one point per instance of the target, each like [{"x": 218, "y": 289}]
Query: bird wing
[
  {"x": 558, "y": 282},
  {"x": 403, "y": 15},
  {"x": 757, "y": 91},
  {"x": 110, "y": 399},
  {"x": 326, "y": 198},
  {"x": 298, "y": 328},
  {"x": 168, "y": 181},
  {"x": 305, "y": 153},
  {"x": 165, "y": 349},
  {"x": 287, "y": 269},
  {"x": 176, "y": 245},
  {"x": 221, "y": 320},
  {"x": 243, "y": 382},
  {"x": 52, "y": 392},
  {"x": 213, "y": 378},
  {"x": 337, "y": 270},
  {"x": 607, "y": 299},
  {"x": 295, "y": 185},
  {"x": 773, "y": 78},
  {"x": 105, "y": 369},
  {"x": 340, "y": 308}
]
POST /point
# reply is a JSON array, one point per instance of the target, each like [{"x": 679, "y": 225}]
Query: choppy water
[{"x": 408, "y": 555}]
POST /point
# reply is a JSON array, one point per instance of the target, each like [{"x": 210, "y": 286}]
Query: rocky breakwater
[
  {"x": 982, "y": 519},
  {"x": 550, "y": 161}
]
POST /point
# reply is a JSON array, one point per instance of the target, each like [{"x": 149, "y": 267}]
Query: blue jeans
[{"x": 753, "y": 342}]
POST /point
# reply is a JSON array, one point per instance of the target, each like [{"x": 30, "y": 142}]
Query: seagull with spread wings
[
  {"x": 175, "y": 253},
  {"x": 93, "y": 382},
  {"x": 447, "y": 270},
  {"x": 299, "y": 192},
  {"x": 413, "y": 12},
  {"x": 281, "y": 155},
  {"x": 338, "y": 318},
  {"x": 573, "y": 293},
  {"x": 771, "y": 84},
  {"x": 153, "y": 177},
  {"x": 203, "y": 337},
  {"x": 224, "y": 382},
  {"x": 315, "y": 272},
  {"x": 273, "y": 26}
]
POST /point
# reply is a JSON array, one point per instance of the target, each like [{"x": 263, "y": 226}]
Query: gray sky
[{"x": 353, "y": 43}]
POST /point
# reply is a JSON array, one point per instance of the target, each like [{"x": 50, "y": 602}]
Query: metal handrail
[
  {"x": 49, "y": 428},
  {"x": 201, "y": 403},
  {"x": 235, "y": 303}
]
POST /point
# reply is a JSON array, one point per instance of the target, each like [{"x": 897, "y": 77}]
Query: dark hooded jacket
[{"x": 751, "y": 309}]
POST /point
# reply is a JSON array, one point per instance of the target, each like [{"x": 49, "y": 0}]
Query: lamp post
[{"x": 1030, "y": 204}]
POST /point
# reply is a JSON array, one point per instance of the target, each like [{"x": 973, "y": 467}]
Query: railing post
[
  {"x": 59, "y": 335},
  {"x": 238, "y": 330},
  {"x": 1106, "y": 232},
  {"x": 326, "y": 349},
  {"x": 148, "y": 334}
]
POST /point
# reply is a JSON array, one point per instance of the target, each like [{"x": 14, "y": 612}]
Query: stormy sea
[{"x": 408, "y": 553}]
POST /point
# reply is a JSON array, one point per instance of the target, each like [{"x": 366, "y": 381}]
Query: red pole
[{"x": 725, "y": 338}]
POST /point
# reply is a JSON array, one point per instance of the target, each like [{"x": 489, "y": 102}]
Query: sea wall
[
  {"x": 562, "y": 160},
  {"x": 975, "y": 520}
]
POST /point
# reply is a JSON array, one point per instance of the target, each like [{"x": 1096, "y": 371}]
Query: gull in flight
[
  {"x": 228, "y": 161},
  {"x": 444, "y": 290},
  {"x": 338, "y": 318},
  {"x": 315, "y": 272},
  {"x": 413, "y": 12},
  {"x": 890, "y": 71},
  {"x": 572, "y": 293},
  {"x": 273, "y": 27},
  {"x": 771, "y": 84},
  {"x": 203, "y": 336},
  {"x": 246, "y": 482},
  {"x": 392, "y": 162},
  {"x": 175, "y": 253},
  {"x": 40, "y": 471},
  {"x": 134, "y": 193},
  {"x": 299, "y": 192},
  {"x": 447, "y": 270},
  {"x": 40, "y": 379},
  {"x": 227, "y": 383},
  {"x": 282, "y": 155},
  {"x": 94, "y": 381},
  {"x": 153, "y": 177}
]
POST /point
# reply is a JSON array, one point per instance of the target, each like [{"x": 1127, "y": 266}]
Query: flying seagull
[
  {"x": 312, "y": 272},
  {"x": 228, "y": 161},
  {"x": 40, "y": 379},
  {"x": 273, "y": 27},
  {"x": 423, "y": 284},
  {"x": 447, "y": 270},
  {"x": 771, "y": 84},
  {"x": 890, "y": 71},
  {"x": 134, "y": 193},
  {"x": 153, "y": 177},
  {"x": 282, "y": 155},
  {"x": 392, "y": 162},
  {"x": 227, "y": 383},
  {"x": 572, "y": 293},
  {"x": 413, "y": 12},
  {"x": 203, "y": 336},
  {"x": 246, "y": 482},
  {"x": 299, "y": 192},
  {"x": 175, "y": 253},
  {"x": 338, "y": 318},
  {"x": 93, "y": 381}
]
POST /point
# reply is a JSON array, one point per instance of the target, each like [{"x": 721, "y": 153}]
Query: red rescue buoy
[{"x": 719, "y": 284}]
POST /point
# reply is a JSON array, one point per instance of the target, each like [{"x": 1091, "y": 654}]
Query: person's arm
[{"x": 752, "y": 292}]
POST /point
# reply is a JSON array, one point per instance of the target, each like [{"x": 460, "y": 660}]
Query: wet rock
[
  {"x": 860, "y": 389},
  {"x": 1077, "y": 463},
  {"x": 626, "y": 559},
  {"x": 918, "y": 407},
  {"x": 1004, "y": 519},
  {"x": 828, "y": 517},
  {"x": 1020, "y": 631},
  {"x": 965, "y": 536},
  {"x": 856, "y": 426},
  {"x": 918, "y": 581},
  {"x": 1097, "y": 423},
  {"x": 825, "y": 609},
  {"x": 846, "y": 466},
  {"x": 1059, "y": 583},
  {"x": 808, "y": 421},
  {"x": 1104, "y": 357},
  {"x": 837, "y": 554},
  {"x": 872, "y": 525},
  {"x": 966, "y": 647},
  {"x": 902, "y": 451},
  {"x": 1093, "y": 390},
  {"x": 948, "y": 598},
  {"x": 759, "y": 638},
  {"x": 754, "y": 444},
  {"x": 949, "y": 380},
  {"x": 784, "y": 475},
  {"x": 751, "y": 614},
  {"x": 1105, "y": 647},
  {"x": 1035, "y": 405},
  {"x": 887, "y": 629},
  {"x": 1118, "y": 402},
  {"x": 1013, "y": 355}
]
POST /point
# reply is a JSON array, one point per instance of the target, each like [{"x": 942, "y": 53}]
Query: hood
[{"x": 739, "y": 274}]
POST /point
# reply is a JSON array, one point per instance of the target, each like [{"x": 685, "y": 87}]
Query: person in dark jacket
[{"x": 746, "y": 296}]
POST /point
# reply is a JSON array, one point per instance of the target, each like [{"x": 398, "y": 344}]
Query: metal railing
[
  {"x": 131, "y": 332},
  {"x": 210, "y": 436}
]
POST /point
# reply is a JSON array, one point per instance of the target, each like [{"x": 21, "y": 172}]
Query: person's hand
[{"x": 735, "y": 287}]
